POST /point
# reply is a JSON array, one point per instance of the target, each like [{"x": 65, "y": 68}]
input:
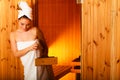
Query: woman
[{"x": 28, "y": 43}]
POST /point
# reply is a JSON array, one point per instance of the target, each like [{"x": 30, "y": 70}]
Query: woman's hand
[{"x": 34, "y": 46}]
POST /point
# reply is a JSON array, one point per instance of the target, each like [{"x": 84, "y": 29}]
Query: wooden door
[{"x": 100, "y": 40}]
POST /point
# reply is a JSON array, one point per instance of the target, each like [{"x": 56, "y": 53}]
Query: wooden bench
[
  {"x": 58, "y": 70},
  {"x": 46, "y": 61},
  {"x": 76, "y": 65}
]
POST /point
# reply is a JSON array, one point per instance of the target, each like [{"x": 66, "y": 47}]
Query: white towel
[
  {"x": 25, "y": 9},
  {"x": 28, "y": 61}
]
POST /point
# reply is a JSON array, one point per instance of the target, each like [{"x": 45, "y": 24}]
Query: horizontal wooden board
[{"x": 46, "y": 61}]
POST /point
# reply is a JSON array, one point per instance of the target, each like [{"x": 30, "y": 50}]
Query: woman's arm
[{"x": 19, "y": 53}]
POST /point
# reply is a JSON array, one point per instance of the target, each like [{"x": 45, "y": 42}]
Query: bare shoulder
[
  {"x": 12, "y": 36},
  {"x": 37, "y": 30},
  {"x": 33, "y": 29}
]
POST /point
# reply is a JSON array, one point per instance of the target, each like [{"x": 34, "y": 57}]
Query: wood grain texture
[{"x": 100, "y": 40}]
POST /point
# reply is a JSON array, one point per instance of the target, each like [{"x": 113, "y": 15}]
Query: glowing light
[{"x": 66, "y": 47}]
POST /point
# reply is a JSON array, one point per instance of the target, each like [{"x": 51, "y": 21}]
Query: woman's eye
[{"x": 28, "y": 25}]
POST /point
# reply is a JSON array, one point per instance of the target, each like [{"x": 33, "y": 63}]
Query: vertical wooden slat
[
  {"x": 116, "y": 35},
  {"x": 118, "y": 39},
  {"x": 88, "y": 68},
  {"x": 113, "y": 38}
]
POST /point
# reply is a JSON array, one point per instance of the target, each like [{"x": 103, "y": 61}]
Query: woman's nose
[{"x": 25, "y": 27}]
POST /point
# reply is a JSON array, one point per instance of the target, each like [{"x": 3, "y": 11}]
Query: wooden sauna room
[
  {"x": 82, "y": 35},
  {"x": 60, "y": 22}
]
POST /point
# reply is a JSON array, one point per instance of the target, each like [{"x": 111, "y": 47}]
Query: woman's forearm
[{"x": 21, "y": 53}]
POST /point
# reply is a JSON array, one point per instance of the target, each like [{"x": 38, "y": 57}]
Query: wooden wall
[
  {"x": 10, "y": 67},
  {"x": 60, "y": 22},
  {"x": 100, "y": 40}
]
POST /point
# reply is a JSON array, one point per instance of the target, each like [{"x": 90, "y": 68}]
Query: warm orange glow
[
  {"x": 65, "y": 46},
  {"x": 60, "y": 22}
]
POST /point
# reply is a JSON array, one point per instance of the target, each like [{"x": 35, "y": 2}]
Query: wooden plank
[
  {"x": 73, "y": 64},
  {"x": 46, "y": 61},
  {"x": 114, "y": 40},
  {"x": 60, "y": 71},
  {"x": 117, "y": 30}
]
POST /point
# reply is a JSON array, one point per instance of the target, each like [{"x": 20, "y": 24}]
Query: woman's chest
[{"x": 25, "y": 36}]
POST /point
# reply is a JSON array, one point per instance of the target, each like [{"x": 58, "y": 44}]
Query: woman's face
[{"x": 24, "y": 24}]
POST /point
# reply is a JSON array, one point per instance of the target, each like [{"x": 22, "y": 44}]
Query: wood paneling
[
  {"x": 100, "y": 40},
  {"x": 60, "y": 22},
  {"x": 10, "y": 66}
]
